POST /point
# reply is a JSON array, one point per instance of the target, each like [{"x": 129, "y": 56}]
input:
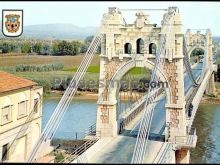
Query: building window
[
  {"x": 5, "y": 152},
  {"x": 22, "y": 108},
  {"x": 6, "y": 114},
  {"x": 36, "y": 105},
  {"x": 127, "y": 48}
]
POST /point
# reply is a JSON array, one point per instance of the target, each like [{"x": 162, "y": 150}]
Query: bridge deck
[{"x": 120, "y": 149}]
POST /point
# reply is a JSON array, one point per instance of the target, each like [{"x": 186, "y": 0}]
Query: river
[
  {"x": 78, "y": 118},
  {"x": 207, "y": 123},
  {"x": 82, "y": 114}
]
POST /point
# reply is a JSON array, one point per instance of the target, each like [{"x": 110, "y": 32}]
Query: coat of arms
[{"x": 12, "y": 23}]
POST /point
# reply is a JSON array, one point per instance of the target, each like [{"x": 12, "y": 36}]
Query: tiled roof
[{"x": 9, "y": 82}]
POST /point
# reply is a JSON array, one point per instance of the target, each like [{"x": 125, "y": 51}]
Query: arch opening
[
  {"x": 127, "y": 48},
  {"x": 197, "y": 55},
  {"x": 152, "y": 48},
  {"x": 132, "y": 87},
  {"x": 134, "y": 94},
  {"x": 140, "y": 46}
]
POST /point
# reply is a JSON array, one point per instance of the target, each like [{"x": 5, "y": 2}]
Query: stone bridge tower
[
  {"x": 120, "y": 44},
  {"x": 116, "y": 34},
  {"x": 106, "y": 122},
  {"x": 173, "y": 67},
  {"x": 204, "y": 42}
]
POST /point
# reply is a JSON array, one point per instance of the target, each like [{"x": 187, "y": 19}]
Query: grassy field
[
  {"x": 46, "y": 79},
  {"x": 68, "y": 61},
  {"x": 96, "y": 69},
  {"x": 9, "y": 63}
]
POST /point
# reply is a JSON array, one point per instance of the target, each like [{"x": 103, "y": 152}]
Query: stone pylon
[
  {"x": 106, "y": 122},
  {"x": 172, "y": 66}
]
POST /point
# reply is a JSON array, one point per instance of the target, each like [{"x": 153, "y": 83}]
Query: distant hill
[
  {"x": 63, "y": 31},
  {"x": 57, "y": 31}
]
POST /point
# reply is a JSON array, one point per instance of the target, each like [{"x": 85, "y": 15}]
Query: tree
[
  {"x": 218, "y": 73},
  {"x": 26, "y": 48},
  {"x": 197, "y": 52},
  {"x": 65, "y": 48},
  {"x": 46, "y": 49},
  {"x": 86, "y": 44},
  {"x": 37, "y": 48},
  {"x": 76, "y": 45},
  {"x": 5, "y": 47},
  {"x": 55, "y": 48},
  {"x": 8, "y": 47}
]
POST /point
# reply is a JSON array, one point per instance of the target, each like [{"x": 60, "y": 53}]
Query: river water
[
  {"x": 78, "y": 118},
  {"x": 207, "y": 123},
  {"x": 82, "y": 114}
]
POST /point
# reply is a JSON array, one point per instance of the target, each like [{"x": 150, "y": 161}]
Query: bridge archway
[
  {"x": 195, "y": 53},
  {"x": 123, "y": 70},
  {"x": 196, "y": 47},
  {"x": 140, "y": 46},
  {"x": 127, "y": 48}
]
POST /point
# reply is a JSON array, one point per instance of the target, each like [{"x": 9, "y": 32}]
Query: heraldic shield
[{"x": 12, "y": 22}]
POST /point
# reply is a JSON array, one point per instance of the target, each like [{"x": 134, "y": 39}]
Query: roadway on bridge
[{"x": 120, "y": 149}]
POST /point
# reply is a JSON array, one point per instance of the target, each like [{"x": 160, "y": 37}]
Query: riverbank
[
  {"x": 54, "y": 94},
  {"x": 85, "y": 95},
  {"x": 212, "y": 99}
]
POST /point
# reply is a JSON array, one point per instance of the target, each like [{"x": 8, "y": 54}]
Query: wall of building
[{"x": 31, "y": 129}]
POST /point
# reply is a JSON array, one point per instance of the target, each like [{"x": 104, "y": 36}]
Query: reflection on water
[
  {"x": 77, "y": 119},
  {"x": 207, "y": 123}
]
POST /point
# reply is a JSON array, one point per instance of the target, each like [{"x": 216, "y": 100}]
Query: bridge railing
[
  {"x": 77, "y": 152},
  {"x": 133, "y": 114},
  {"x": 165, "y": 154},
  {"x": 188, "y": 141},
  {"x": 127, "y": 120}
]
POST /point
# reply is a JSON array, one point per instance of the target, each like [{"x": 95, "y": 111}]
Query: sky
[{"x": 195, "y": 15}]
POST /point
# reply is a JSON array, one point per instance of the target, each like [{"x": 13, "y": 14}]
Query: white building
[{"x": 20, "y": 109}]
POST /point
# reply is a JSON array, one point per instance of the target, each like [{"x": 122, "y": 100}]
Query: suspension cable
[{"x": 62, "y": 106}]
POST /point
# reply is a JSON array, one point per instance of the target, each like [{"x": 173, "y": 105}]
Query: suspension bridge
[{"x": 154, "y": 125}]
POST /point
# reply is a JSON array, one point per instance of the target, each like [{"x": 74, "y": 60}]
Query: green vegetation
[
  {"x": 51, "y": 72},
  {"x": 59, "y": 157},
  {"x": 26, "y": 58},
  {"x": 67, "y": 61},
  {"x": 210, "y": 95},
  {"x": 66, "y": 48},
  {"x": 38, "y": 68},
  {"x": 91, "y": 69},
  {"x": 46, "y": 47},
  {"x": 26, "y": 48},
  {"x": 194, "y": 57},
  {"x": 217, "y": 85},
  {"x": 94, "y": 69},
  {"x": 217, "y": 75},
  {"x": 197, "y": 52},
  {"x": 137, "y": 70}
]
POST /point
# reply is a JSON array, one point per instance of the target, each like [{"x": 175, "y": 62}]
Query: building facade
[{"x": 20, "y": 117}]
